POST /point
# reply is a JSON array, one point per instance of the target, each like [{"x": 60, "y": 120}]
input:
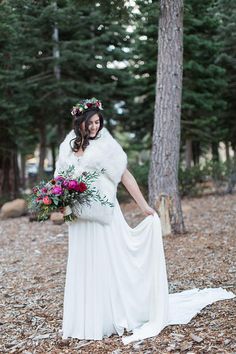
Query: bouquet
[{"x": 63, "y": 192}]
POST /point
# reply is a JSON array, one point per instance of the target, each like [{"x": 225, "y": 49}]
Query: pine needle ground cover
[{"x": 33, "y": 275}]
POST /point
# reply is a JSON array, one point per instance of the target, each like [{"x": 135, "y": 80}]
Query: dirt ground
[{"x": 33, "y": 258}]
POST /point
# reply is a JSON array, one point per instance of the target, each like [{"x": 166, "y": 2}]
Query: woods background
[
  {"x": 56, "y": 52},
  {"x": 165, "y": 72}
]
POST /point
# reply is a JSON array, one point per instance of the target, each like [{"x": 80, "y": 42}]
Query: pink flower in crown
[
  {"x": 74, "y": 111},
  {"x": 99, "y": 105},
  {"x": 85, "y": 104}
]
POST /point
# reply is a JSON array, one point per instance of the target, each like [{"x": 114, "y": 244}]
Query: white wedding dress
[{"x": 116, "y": 279}]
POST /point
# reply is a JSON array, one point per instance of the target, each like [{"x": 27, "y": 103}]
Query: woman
[{"x": 116, "y": 276}]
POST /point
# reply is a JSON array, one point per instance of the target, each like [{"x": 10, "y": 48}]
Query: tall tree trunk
[
  {"x": 188, "y": 153},
  {"x": 227, "y": 152},
  {"x": 163, "y": 175},
  {"x": 232, "y": 172},
  {"x": 57, "y": 72},
  {"x": 9, "y": 174},
  {"x": 22, "y": 170},
  {"x": 42, "y": 149},
  {"x": 215, "y": 151},
  {"x": 196, "y": 152}
]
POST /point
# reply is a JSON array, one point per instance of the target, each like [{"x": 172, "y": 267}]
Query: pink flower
[
  {"x": 73, "y": 184},
  {"x": 65, "y": 184},
  {"x": 57, "y": 190},
  {"x": 44, "y": 190},
  {"x": 34, "y": 190},
  {"x": 47, "y": 200},
  {"x": 59, "y": 178}
]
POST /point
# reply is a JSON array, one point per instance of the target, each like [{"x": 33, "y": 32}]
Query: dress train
[{"x": 116, "y": 279}]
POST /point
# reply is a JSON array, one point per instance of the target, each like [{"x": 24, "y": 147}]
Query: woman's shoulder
[
  {"x": 68, "y": 137},
  {"x": 106, "y": 135},
  {"x": 65, "y": 146}
]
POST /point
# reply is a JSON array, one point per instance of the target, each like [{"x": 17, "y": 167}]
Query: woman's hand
[
  {"x": 147, "y": 210},
  {"x": 132, "y": 187}
]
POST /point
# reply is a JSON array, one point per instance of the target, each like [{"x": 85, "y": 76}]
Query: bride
[{"x": 116, "y": 275}]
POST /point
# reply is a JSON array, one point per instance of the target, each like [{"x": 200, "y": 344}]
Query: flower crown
[{"x": 83, "y": 105}]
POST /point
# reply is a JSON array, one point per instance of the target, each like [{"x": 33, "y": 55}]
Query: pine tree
[
  {"x": 12, "y": 116},
  {"x": 141, "y": 81},
  {"x": 203, "y": 80},
  {"x": 163, "y": 175},
  {"x": 90, "y": 37},
  {"x": 226, "y": 13}
]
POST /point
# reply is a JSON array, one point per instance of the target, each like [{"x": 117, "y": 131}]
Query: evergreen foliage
[{"x": 42, "y": 76}]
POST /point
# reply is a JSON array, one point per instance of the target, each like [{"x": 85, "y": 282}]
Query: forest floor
[{"x": 33, "y": 274}]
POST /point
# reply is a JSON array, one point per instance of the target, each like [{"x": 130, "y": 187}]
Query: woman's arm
[{"x": 132, "y": 187}]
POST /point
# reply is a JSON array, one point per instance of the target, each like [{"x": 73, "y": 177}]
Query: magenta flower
[
  {"x": 73, "y": 184},
  {"x": 59, "y": 179},
  {"x": 65, "y": 184},
  {"x": 44, "y": 190},
  {"x": 57, "y": 190}
]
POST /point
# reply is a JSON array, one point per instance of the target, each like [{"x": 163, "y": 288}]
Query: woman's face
[{"x": 93, "y": 125}]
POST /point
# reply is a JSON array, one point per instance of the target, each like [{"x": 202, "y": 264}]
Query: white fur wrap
[{"x": 104, "y": 152}]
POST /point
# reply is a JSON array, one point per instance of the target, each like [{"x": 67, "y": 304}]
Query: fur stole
[{"x": 104, "y": 152}]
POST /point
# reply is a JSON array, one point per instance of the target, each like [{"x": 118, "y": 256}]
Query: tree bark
[
  {"x": 188, "y": 153},
  {"x": 57, "y": 71},
  {"x": 42, "y": 150},
  {"x": 196, "y": 152},
  {"x": 9, "y": 174},
  {"x": 22, "y": 170},
  {"x": 53, "y": 151},
  {"x": 215, "y": 152},
  {"x": 232, "y": 172},
  {"x": 227, "y": 152},
  {"x": 163, "y": 175}
]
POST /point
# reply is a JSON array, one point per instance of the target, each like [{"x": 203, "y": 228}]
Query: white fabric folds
[{"x": 116, "y": 279}]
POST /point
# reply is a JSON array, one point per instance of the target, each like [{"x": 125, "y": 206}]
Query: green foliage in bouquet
[{"x": 63, "y": 192}]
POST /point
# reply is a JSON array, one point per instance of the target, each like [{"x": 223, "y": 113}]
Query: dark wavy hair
[{"x": 82, "y": 138}]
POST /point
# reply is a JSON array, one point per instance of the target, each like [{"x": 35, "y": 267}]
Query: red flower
[
  {"x": 34, "y": 190},
  {"x": 82, "y": 187}
]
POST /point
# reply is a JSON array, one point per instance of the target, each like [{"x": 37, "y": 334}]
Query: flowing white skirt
[{"x": 116, "y": 279}]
